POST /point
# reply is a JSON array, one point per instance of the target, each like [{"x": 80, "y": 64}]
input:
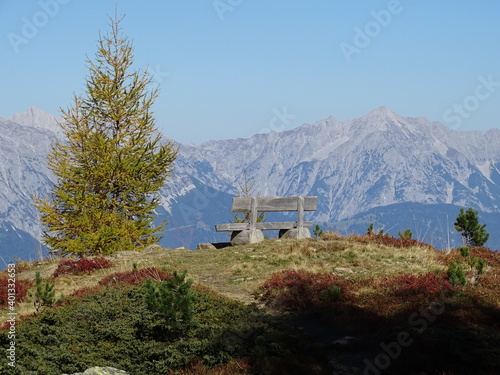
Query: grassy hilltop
[{"x": 343, "y": 305}]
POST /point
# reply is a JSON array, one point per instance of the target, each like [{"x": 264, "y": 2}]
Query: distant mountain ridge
[
  {"x": 379, "y": 159},
  {"x": 353, "y": 166}
]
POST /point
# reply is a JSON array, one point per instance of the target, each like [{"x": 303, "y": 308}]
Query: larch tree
[{"x": 112, "y": 163}]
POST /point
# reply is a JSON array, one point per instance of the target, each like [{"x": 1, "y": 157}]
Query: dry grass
[{"x": 236, "y": 272}]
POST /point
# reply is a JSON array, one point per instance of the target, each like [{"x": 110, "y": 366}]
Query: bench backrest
[{"x": 274, "y": 204}]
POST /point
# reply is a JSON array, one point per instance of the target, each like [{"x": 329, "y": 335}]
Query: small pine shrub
[
  {"x": 44, "y": 293},
  {"x": 369, "y": 230},
  {"x": 330, "y": 294},
  {"x": 468, "y": 268},
  {"x": 464, "y": 251},
  {"x": 172, "y": 299},
  {"x": 318, "y": 232},
  {"x": 82, "y": 265},
  {"x": 405, "y": 235},
  {"x": 480, "y": 265},
  {"x": 456, "y": 274}
]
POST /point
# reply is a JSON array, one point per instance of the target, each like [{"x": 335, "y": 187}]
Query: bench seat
[{"x": 262, "y": 226}]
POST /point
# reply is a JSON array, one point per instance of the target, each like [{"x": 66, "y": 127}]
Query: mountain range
[{"x": 397, "y": 172}]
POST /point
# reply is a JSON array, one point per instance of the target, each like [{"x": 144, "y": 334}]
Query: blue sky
[{"x": 233, "y": 68}]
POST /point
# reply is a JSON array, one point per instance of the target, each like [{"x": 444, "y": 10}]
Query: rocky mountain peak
[
  {"x": 37, "y": 118},
  {"x": 381, "y": 113}
]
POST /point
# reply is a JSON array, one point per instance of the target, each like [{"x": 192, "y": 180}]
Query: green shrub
[
  {"x": 480, "y": 265},
  {"x": 405, "y": 235},
  {"x": 472, "y": 232},
  {"x": 44, "y": 294},
  {"x": 464, "y": 251},
  {"x": 456, "y": 274},
  {"x": 475, "y": 267},
  {"x": 330, "y": 294},
  {"x": 369, "y": 230},
  {"x": 318, "y": 232},
  {"x": 114, "y": 327},
  {"x": 171, "y": 299}
]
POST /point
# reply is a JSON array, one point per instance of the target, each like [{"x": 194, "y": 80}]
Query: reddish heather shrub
[
  {"x": 300, "y": 290},
  {"x": 424, "y": 287},
  {"x": 82, "y": 265},
  {"x": 491, "y": 257},
  {"x": 135, "y": 277},
  {"x": 491, "y": 281},
  {"x": 21, "y": 289}
]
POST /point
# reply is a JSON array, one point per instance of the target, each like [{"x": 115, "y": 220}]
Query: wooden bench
[{"x": 251, "y": 231}]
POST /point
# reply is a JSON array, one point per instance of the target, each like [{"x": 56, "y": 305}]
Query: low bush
[
  {"x": 114, "y": 327},
  {"x": 136, "y": 277},
  {"x": 491, "y": 257},
  {"x": 172, "y": 300},
  {"x": 44, "y": 294},
  {"x": 428, "y": 286},
  {"x": 469, "y": 265},
  {"x": 456, "y": 274},
  {"x": 300, "y": 290},
  {"x": 21, "y": 289},
  {"x": 82, "y": 265}
]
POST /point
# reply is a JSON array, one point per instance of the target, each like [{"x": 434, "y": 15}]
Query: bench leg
[
  {"x": 246, "y": 236},
  {"x": 295, "y": 233}
]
